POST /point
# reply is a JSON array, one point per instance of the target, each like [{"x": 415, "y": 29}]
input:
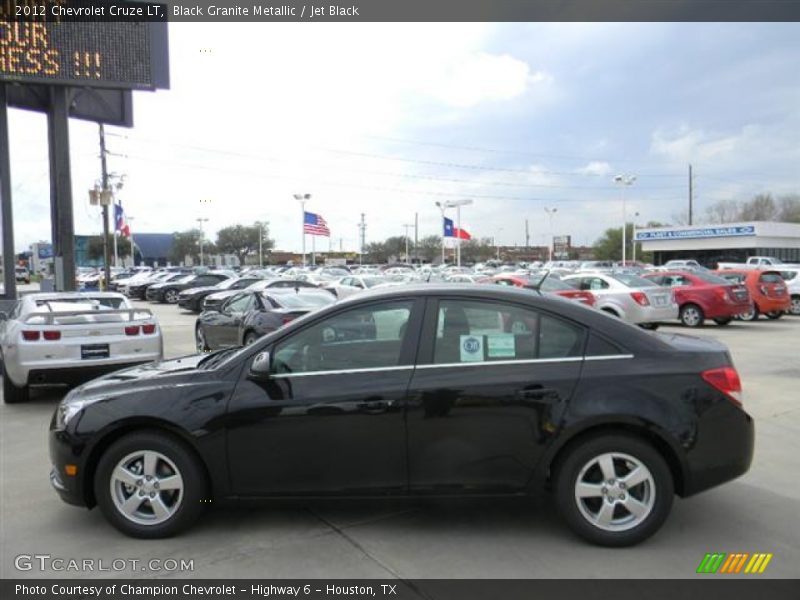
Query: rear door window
[{"x": 474, "y": 331}]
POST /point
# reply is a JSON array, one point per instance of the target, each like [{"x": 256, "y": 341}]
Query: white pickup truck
[{"x": 757, "y": 262}]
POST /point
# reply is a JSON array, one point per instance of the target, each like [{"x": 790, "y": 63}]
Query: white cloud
[
  {"x": 486, "y": 77},
  {"x": 595, "y": 167}
]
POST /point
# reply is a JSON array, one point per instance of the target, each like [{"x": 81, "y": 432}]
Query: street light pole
[
  {"x": 441, "y": 224},
  {"x": 497, "y": 242},
  {"x": 302, "y": 199},
  {"x": 406, "y": 226},
  {"x": 624, "y": 181},
  {"x": 635, "y": 216},
  {"x": 129, "y": 220},
  {"x": 457, "y": 204},
  {"x": 201, "y": 220},
  {"x": 550, "y": 212}
]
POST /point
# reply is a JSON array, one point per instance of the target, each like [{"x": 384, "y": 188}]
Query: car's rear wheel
[
  {"x": 614, "y": 490},
  {"x": 692, "y": 315},
  {"x": 795, "y": 308},
  {"x": 723, "y": 322},
  {"x": 649, "y": 326},
  {"x": 171, "y": 296},
  {"x": 149, "y": 485},
  {"x": 774, "y": 314},
  {"x": 11, "y": 393},
  {"x": 201, "y": 344},
  {"x": 251, "y": 337}
]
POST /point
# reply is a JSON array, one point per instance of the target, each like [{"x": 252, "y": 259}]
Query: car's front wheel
[
  {"x": 250, "y": 338},
  {"x": 171, "y": 296},
  {"x": 614, "y": 490},
  {"x": 774, "y": 314},
  {"x": 149, "y": 485}
]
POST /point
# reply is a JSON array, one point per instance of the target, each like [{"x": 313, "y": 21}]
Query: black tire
[
  {"x": 661, "y": 492},
  {"x": 194, "y": 491},
  {"x": 11, "y": 393},
  {"x": 723, "y": 322},
  {"x": 774, "y": 314},
  {"x": 649, "y": 326},
  {"x": 251, "y": 337},
  {"x": 691, "y": 315}
]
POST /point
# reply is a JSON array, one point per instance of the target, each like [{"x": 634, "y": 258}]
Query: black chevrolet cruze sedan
[{"x": 415, "y": 391}]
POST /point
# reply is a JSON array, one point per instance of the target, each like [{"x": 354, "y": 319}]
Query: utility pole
[
  {"x": 106, "y": 195},
  {"x": 416, "y": 234},
  {"x": 691, "y": 199},
  {"x": 6, "y": 208}
]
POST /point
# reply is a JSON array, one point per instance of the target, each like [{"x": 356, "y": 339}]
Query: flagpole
[
  {"x": 116, "y": 255},
  {"x": 301, "y": 198}
]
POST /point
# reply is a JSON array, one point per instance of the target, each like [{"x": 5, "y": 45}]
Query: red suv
[{"x": 702, "y": 296}]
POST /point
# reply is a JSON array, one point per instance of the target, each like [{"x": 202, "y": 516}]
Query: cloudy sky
[{"x": 387, "y": 119}]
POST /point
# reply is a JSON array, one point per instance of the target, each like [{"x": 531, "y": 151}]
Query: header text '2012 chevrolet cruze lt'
[{"x": 415, "y": 391}]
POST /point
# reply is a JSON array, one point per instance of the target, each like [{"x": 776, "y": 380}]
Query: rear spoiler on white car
[{"x": 81, "y": 317}]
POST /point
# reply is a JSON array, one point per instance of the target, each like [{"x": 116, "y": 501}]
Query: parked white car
[
  {"x": 791, "y": 275},
  {"x": 69, "y": 337},
  {"x": 627, "y": 296},
  {"x": 354, "y": 284}
]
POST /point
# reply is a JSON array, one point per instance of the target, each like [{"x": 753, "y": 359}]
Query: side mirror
[{"x": 260, "y": 367}]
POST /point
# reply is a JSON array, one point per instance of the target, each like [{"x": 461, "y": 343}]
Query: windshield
[
  {"x": 304, "y": 300},
  {"x": 709, "y": 278},
  {"x": 373, "y": 281},
  {"x": 633, "y": 281}
]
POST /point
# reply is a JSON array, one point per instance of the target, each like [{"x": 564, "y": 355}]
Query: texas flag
[
  {"x": 452, "y": 231},
  {"x": 120, "y": 224}
]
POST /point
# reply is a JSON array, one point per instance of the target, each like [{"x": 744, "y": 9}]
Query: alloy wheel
[
  {"x": 691, "y": 316},
  {"x": 615, "y": 491},
  {"x": 146, "y": 487},
  {"x": 171, "y": 296},
  {"x": 795, "y": 309}
]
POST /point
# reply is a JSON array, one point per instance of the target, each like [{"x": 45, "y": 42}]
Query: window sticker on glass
[
  {"x": 501, "y": 345},
  {"x": 471, "y": 348}
]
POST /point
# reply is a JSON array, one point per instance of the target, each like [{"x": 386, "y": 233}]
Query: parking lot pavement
[{"x": 756, "y": 513}]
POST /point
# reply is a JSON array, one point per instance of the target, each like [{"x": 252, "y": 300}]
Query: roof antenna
[{"x": 538, "y": 285}]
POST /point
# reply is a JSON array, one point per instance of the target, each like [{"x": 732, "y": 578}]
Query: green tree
[
  {"x": 429, "y": 248},
  {"x": 609, "y": 246},
  {"x": 186, "y": 244},
  {"x": 477, "y": 250},
  {"x": 242, "y": 240},
  {"x": 94, "y": 248}
]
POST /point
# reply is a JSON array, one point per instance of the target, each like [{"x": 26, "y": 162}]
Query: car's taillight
[
  {"x": 726, "y": 380},
  {"x": 51, "y": 336},
  {"x": 30, "y": 336},
  {"x": 132, "y": 330},
  {"x": 287, "y": 319},
  {"x": 148, "y": 328},
  {"x": 640, "y": 298}
]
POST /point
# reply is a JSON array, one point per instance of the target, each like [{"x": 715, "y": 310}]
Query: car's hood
[
  {"x": 197, "y": 290},
  {"x": 146, "y": 374},
  {"x": 220, "y": 295}
]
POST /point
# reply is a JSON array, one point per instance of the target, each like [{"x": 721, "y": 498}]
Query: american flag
[{"x": 315, "y": 225}]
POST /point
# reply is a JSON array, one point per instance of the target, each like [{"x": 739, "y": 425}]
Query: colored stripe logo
[{"x": 734, "y": 563}]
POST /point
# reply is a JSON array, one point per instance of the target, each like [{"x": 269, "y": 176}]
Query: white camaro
[{"x": 69, "y": 337}]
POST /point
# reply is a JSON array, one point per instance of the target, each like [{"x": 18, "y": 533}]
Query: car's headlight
[{"x": 66, "y": 411}]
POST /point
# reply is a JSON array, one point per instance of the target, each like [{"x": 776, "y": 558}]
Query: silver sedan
[{"x": 629, "y": 297}]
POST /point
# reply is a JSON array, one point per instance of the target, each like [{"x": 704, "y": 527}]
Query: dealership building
[{"x": 731, "y": 242}]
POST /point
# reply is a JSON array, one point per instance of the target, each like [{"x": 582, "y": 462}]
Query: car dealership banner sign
[{"x": 699, "y": 232}]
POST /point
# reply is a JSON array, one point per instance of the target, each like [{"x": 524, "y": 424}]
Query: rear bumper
[
  {"x": 722, "y": 451},
  {"x": 766, "y": 304}
]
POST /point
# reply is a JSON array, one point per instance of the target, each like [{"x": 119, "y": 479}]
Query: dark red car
[
  {"x": 702, "y": 296},
  {"x": 550, "y": 285}
]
